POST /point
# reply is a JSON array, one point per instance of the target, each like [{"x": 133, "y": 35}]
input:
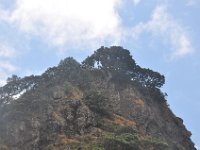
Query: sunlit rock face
[{"x": 106, "y": 103}]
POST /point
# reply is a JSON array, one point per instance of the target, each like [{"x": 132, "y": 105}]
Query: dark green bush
[
  {"x": 97, "y": 103},
  {"x": 124, "y": 141},
  {"x": 68, "y": 87}
]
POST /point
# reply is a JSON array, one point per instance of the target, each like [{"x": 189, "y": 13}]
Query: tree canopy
[
  {"x": 115, "y": 59},
  {"x": 120, "y": 63},
  {"x": 14, "y": 78}
]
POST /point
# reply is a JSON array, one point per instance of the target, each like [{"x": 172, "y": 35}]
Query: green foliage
[
  {"x": 68, "y": 88},
  {"x": 69, "y": 61},
  {"x": 155, "y": 142},
  {"x": 115, "y": 128},
  {"x": 122, "y": 66},
  {"x": 14, "y": 78},
  {"x": 84, "y": 144},
  {"x": 148, "y": 77},
  {"x": 92, "y": 146},
  {"x": 124, "y": 141},
  {"x": 115, "y": 59},
  {"x": 97, "y": 103},
  {"x": 126, "y": 138},
  {"x": 157, "y": 94},
  {"x": 69, "y": 69},
  {"x": 131, "y": 141}
]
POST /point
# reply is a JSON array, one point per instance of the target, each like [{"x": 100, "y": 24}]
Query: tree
[
  {"x": 122, "y": 66},
  {"x": 13, "y": 78},
  {"x": 97, "y": 103},
  {"x": 148, "y": 78},
  {"x": 114, "y": 58},
  {"x": 69, "y": 61}
]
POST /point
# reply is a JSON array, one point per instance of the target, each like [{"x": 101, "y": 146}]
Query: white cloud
[
  {"x": 136, "y": 2},
  {"x": 162, "y": 24},
  {"x": 6, "y": 51},
  {"x": 63, "y": 22},
  {"x": 191, "y": 2},
  {"x": 6, "y": 67},
  {"x": 3, "y": 77},
  {"x": 91, "y": 22},
  {"x": 182, "y": 45}
]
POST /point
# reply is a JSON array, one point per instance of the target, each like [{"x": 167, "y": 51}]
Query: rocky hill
[{"x": 106, "y": 103}]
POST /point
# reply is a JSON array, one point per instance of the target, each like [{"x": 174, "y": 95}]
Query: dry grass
[
  {"x": 55, "y": 116},
  {"x": 119, "y": 120},
  {"x": 139, "y": 102},
  {"x": 64, "y": 140},
  {"x": 75, "y": 94},
  {"x": 58, "y": 118}
]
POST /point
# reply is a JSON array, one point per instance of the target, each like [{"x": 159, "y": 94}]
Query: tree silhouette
[
  {"x": 148, "y": 78},
  {"x": 122, "y": 66},
  {"x": 14, "y": 78}
]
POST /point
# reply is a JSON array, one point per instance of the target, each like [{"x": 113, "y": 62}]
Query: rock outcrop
[{"x": 77, "y": 107}]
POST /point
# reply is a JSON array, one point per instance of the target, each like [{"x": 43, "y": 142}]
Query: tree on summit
[
  {"x": 114, "y": 59},
  {"x": 14, "y": 78},
  {"x": 120, "y": 63},
  {"x": 148, "y": 78}
]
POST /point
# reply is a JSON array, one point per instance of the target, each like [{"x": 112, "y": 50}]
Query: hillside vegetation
[{"x": 107, "y": 102}]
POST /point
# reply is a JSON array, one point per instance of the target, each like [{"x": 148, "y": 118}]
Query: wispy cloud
[
  {"x": 6, "y": 51},
  {"x": 191, "y": 2},
  {"x": 6, "y": 67},
  {"x": 136, "y": 2},
  {"x": 163, "y": 25},
  {"x": 92, "y": 22},
  {"x": 2, "y": 78},
  {"x": 67, "y": 21}
]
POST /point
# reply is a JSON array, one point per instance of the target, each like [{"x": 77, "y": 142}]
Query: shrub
[
  {"x": 124, "y": 141},
  {"x": 97, "y": 103},
  {"x": 68, "y": 88}
]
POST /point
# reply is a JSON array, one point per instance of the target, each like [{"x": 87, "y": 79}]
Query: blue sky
[{"x": 162, "y": 35}]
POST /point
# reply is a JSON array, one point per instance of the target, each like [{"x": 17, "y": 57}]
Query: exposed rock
[{"x": 53, "y": 114}]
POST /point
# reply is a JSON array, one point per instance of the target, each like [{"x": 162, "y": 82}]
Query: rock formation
[{"x": 111, "y": 106}]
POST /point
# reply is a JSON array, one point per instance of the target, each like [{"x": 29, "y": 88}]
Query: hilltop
[{"x": 107, "y": 102}]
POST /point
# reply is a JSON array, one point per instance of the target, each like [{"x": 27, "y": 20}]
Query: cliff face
[{"x": 71, "y": 107}]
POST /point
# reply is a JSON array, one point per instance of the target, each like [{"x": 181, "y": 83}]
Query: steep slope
[{"x": 99, "y": 105}]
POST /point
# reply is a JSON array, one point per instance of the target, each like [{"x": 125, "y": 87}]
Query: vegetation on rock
[
  {"x": 97, "y": 103},
  {"x": 106, "y": 103},
  {"x": 122, "y": 66}
]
